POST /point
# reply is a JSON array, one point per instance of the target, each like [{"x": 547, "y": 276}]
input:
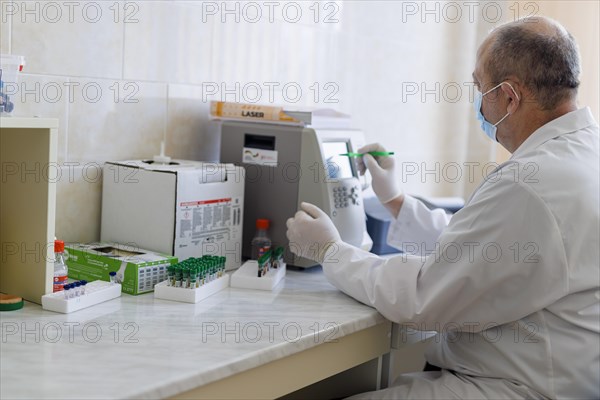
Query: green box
[{"x": 137, "y": 270}]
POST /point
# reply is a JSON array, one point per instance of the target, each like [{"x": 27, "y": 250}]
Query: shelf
[
  {"x": 28, "y": 122},
  {"x": 28, "y": 146}
]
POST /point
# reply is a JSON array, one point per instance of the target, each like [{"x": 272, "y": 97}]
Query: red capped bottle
[{"x": 261, "y": 242}]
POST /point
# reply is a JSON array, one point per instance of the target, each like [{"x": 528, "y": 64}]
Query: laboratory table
[{"x": 238, "y": 343}]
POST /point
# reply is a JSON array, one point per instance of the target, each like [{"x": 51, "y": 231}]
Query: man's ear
[{"x": 512, "y": 91}]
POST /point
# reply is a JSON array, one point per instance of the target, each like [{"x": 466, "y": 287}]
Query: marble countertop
[{"x": 141, "y": 347}]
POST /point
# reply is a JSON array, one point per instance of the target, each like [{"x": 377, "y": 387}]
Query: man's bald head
[{"x": 539, "y": 53}]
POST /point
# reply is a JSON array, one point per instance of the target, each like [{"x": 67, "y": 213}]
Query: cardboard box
[
  {"x": 137, "y": 270},
  {"x": 184, "y": 208}
]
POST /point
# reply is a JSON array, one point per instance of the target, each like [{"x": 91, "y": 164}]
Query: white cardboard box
[{"x": 187, "y": 209}]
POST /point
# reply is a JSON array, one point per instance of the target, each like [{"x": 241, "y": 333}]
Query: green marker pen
[{"x": 373, "y": 153}]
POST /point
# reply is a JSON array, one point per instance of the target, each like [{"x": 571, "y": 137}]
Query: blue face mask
[{"x": 487, "y": 127}]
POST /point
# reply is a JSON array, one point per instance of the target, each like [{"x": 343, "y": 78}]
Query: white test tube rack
[
  {"x": 95, "y": 292},
  {"x": 163, "y": 291},
  {"x": 246, "y": 277}
]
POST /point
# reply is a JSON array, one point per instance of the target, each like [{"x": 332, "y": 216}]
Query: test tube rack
[
  {"x": 246, "y": 276},
  {"x": 163, "y": 291},
  {"x": 95, "y": 292}
]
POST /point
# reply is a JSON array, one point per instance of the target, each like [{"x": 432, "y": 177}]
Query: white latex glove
[
  {"x": 311, "y": 233},
  {"x": 382, "y": 171}
]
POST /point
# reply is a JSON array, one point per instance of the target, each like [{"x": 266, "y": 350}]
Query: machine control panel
[{"x": 344, "y": 196}]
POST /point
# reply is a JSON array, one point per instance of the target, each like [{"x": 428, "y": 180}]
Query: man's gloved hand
[
  {"x": 311, "y": 233},
  {"x": 382, "y": 171}
]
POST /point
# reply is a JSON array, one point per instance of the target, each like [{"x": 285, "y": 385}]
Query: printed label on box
[
  {"x": 150, "y": 276},
  {"x": 259, "y": 156},
  {"x": 209, "y": 223}
]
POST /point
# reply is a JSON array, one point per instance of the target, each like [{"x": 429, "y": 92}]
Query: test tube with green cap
[
  {"x": 222, "y": 266},
  {"x": 199, "y": 275},
  {"x": 261, "y": 264},
  {"x": 193, "y": 277},
  {"x": 178, "y": 275},
  {"x": 192, "y": 273},
  {"x": 268, "y": 260},
  {"x": 212, "y": 269},
  {"x": 170, "y": 276},
  {"x": 203, "y": 273},
  {"x": 186, "y": 276},
  {"x": 278, "y": 257},
  {"x": 196, "y": 271}
]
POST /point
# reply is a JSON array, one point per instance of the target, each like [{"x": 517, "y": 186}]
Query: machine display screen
[{"x": 338, "y": 167}]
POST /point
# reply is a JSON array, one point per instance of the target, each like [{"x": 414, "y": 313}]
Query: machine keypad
[{"x": 343, "y": 197}]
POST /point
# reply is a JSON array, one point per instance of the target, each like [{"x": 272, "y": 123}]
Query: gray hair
[{"x": 547, "y": 63}]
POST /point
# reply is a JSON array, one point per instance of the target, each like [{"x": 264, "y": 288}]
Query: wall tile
[
  {"x": 168, "y": 43},
  {"x": 308, "y": 58},
  {"x": 245, "y": 52},
  {"x": 70, "y": 38},
  {"x": 78, "y": 203},
  {"x": 46, "y": 97},
  {"x": 190, "y": 134},
  {"x": 5, "y": 24},
  {"x": 387, "y": 20},
  {"x": 103, "y": 128}
]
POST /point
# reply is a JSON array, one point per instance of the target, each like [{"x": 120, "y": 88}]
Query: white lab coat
[{"x": 512, "y": 283}]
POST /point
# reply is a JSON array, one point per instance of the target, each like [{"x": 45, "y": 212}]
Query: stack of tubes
[
  {"x": 195, "y": 272},
  {"x": 270, "y": 259}
]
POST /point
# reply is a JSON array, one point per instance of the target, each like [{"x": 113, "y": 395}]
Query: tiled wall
[{"x": 123, "y": 76}]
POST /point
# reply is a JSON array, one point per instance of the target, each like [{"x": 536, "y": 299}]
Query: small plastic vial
[
  {"x": 82, "y": 290},
  {"x": 77, "y": 289},
  {"x": 261, "y": 242},
  {"x": 67, "y": 290},
  {"x": 113, "y": 277}
]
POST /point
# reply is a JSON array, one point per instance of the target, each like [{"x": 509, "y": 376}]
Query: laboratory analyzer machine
[{"x": 289, "y": 164}]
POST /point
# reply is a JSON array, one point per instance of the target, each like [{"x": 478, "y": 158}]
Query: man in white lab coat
[{"x": 511, "y": 281}]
